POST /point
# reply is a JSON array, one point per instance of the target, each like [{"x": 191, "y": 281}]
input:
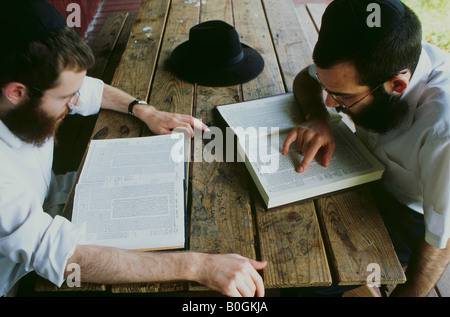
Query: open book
[
  {"x": 131, "y": 193},
  {"x": 261, "y": 127}
]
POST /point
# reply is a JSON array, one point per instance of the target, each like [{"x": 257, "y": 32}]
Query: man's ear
[
  {"x": 15, "y": 92},
  {"x": 399, "y": 82}
]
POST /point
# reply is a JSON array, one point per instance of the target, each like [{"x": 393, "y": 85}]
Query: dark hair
[
  {"x": 375, "y": 64},
  {"x": 41, "y": 62}
]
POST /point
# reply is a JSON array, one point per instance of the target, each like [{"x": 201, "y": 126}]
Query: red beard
[{"x": 31, "y": 124}]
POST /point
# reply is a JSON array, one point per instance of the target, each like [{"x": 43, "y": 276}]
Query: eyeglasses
[
  {"x": 71, "y": 100},
  {"x": 342, "y": 106}
]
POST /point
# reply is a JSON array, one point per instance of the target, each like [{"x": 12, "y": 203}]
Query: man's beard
[
  {"x": 30, "y": 123},
  {"x": 383, "y": 114}
]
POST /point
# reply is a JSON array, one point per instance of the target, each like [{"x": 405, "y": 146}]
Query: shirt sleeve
[
  {"x": 91, "y": 94},
  {"x": 30, "y": 238},
  {"x": 435, "y": 169}
]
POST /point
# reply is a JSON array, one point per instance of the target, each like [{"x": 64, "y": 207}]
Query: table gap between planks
[{"x": 316, "y": 243}]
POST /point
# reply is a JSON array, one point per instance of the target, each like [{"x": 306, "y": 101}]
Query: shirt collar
[
  {"x": 415, "y": 88},
  {"x": 8, "y": 137}
]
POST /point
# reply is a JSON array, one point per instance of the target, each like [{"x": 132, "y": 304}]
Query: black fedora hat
[{"x": 214, "y": 56}]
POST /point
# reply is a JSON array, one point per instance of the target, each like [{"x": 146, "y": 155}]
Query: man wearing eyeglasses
[
  {"x": 396, "y": 90},
  {"x": 43, "y": 67}
]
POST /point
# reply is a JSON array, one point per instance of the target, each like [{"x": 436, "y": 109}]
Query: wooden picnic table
[{"x": 330, "y": 240}]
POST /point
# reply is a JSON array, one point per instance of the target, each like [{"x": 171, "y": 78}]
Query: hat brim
[{"x": 191, "y": 68}]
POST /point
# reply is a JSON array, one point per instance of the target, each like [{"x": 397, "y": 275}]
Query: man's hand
[
  {"x": 310, "y": 137},
  {"x": 161, "y": 122},
  {"x": 231, "y": 274}
]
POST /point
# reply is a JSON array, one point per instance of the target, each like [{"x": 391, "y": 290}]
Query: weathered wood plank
[
  {"x": 250, "y": 23},
  {"x": 168, "y": 92},
  {"x": 290, "y": 240},
  {"x": 316, "y": 11},
  {"x": 357, "y": 238},
  {"x": 221, "y": 218},
  {"x": 217, "y": 10},
  {"x": 135, "y": 71},
  {"x": 291, "y": 45},
  {"x": 105, "y": 42},
  {"x": 307, "y": 25},
  {"x": 118, "y": 49}
]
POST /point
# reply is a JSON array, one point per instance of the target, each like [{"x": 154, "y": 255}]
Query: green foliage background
[{"x": 435, "y": 18}]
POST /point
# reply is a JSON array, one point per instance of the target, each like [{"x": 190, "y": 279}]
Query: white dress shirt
[
  {"x": 417, "y": 153},
  {"x": 31, "y": 239}
]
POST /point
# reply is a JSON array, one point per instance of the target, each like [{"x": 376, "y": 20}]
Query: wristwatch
[{"x": 133, "y": 103}]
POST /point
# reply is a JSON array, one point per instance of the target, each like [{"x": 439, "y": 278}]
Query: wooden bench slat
[
  {"x": 351, "y": 225},
  {"x": 106, "y": 41},
  {"x": 118, "y": 49},
  {"x": 291, "y": 44},
  {"x": 286, "y": 236}
]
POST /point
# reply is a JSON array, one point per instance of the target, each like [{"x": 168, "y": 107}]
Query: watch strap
[{"x": 132, "y": 104}]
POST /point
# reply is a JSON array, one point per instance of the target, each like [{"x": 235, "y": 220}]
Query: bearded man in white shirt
[
  {"x": 396, "y": 90},
  {"x": 43, "y": 67}
]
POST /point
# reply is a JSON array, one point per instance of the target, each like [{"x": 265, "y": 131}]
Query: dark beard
[
  {"x": 30, "y": 123},
  {"x": 383, "y": 114}
]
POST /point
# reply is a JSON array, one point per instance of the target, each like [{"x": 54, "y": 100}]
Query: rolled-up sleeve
[
  {"x": 30, "y": 239},
  {"x": 91, "y": 94}
]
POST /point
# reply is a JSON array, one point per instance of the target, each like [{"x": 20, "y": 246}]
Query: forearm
[
  {"x": 116, "y": 99},
  {"x": 116, "y": 266},
  {"x": 230, "y": 274},
  {"x": 308, "y": 94},
  {"x": 424, "y": 269}
]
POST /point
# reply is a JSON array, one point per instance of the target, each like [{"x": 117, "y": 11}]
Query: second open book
[
  {"x": 261, "y": 127},
  {"x": 131, "y": 193}
]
